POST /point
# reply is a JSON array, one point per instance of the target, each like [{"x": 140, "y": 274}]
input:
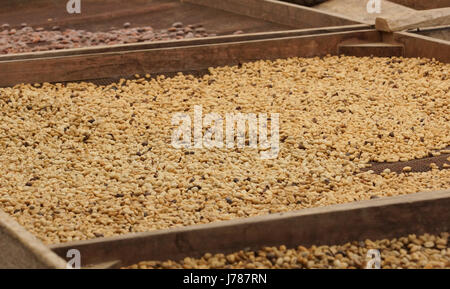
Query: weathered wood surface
[
  {"x": 441, "y": 32},
  {"x": 379, "y": 49},
  {"x": 423, "y": 4},
  {"x": 187, "y": 58},
  {"x": 183, "y": 42},
  {"x": 21, "y": 250},
  {"x": 375, "y": 219},
  {"x": 279, "y": 12},
  {"x": 357, "y": 9},
  {"x": 177, "y": 59},
  {"x": 415, "y": 19},
  {"x": 423, "y": 46},
  {"x": 101, "y": 15}
]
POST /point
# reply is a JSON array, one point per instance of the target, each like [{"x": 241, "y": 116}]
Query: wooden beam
[
  {"x": 415, "y": 19},
  {"x": 357, "y": 9},
  {"x": 21, "y": 250},
  {"x": 423, "y": 46},
  {"x": 378, "y": 49},
  {"x": 278, "y": 12},
  {"x": 176, "y": 59},
  {"x": 423, "y": 4},
  {"x": 440, "y": 32},
  {"x": 183, "y": 42},
  {"x": 375, "y": 219}
]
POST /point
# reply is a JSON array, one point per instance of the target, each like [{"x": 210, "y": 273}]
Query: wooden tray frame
[{"x": 381, "y": 218}]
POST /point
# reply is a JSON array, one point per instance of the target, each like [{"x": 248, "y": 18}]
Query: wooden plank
[
  {"x": 279, "y": 12},
  {"x": 440, "y": 32},
  {"x": 183, "y": 42},
  {"x": 357, "y": 9},
  {"x": 415, "y": 19},
  {"x": 423, "y": 46},
  {"x": 177, "y": 59},
  {"x": 375, "y": 219},
  {"x": 379, "y": 49},
  {"x": 21, "y": 250},
  {"x": 423, "y": 4}
]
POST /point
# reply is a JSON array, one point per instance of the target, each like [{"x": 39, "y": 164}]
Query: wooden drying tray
[
  {"x": 382, "y": 218},
  {"x": 200, "y": 54},
  {"x": 219, "y": 17},
  {"x": 390, "y": 217},
  {"x": 183, "y": 42}
]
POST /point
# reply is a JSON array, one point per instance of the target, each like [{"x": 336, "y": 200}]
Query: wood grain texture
[
  {"x": 183, "y": 42},
  {"x": 176, "y": 59},
  {"x": 279, "y": 12},
  {"x": 423, "y": 46},
  {"x": 372, "y": 49},
  {"x": 375, "y": 219},
  {"x": 423, "y": 4},
  {"x": 442, "y": 32},
  {"x": 357, "y": 9},
  {"x": 415, "y": 19}
]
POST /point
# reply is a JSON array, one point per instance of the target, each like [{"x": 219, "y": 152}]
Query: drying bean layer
[
  {"x": 29, "y": 39},
  {"x": 81, "y": 161},
  {"x": 409, "y": 252}
]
